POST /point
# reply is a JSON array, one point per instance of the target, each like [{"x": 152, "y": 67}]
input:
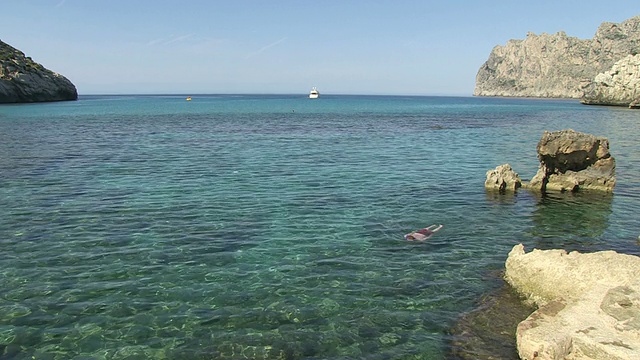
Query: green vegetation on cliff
[{"x": 24, "y": 80}]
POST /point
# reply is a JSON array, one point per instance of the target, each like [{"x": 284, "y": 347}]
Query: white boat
[{"x": 314, "y": 93}]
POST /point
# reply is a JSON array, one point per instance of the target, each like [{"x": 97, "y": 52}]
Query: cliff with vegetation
[
  {"x": 23, "y": 80},
  {"x": 558, "y": 65}
]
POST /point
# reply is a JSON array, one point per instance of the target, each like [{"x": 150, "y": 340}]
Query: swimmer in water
[{"x": 423, "y": 234}]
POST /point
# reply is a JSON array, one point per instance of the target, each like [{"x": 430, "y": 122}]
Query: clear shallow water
[{"x": 270, "y": 227}]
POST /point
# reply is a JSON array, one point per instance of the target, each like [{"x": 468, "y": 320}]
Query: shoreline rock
[
  {"x": 22, "y": 80},
  {"x": 588, "y": 304}
]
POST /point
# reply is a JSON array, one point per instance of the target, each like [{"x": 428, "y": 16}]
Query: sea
[{"x": 271, "y": 226}]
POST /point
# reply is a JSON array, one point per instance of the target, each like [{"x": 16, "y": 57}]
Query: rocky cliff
[
  {"x": 23, "y": 80},
  {"x": 555, "y": 66},
  {"x": 618, "y": 86}
]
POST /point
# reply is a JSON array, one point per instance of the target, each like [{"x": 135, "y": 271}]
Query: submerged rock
[
  {"x": 572, "y": 161},
  {"x": 487, "y": 332},
  {"x": 23, "y": 80},
  {"x": 588, "y": 304}
]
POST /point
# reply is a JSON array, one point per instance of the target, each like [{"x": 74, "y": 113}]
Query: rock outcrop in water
[
  {"x": 23, "y": 80},
  {"x": 619, "y": 86},
  {"x": 569, "y": 161},
  {"x": 572, "y": 161},
  {"x": 503, "y": 178},
  {"x": 588, "y": 304},
  {"x": 555, "y": 66}
]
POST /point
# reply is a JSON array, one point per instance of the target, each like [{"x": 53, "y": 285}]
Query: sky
[{"x": 378, "y": 47}]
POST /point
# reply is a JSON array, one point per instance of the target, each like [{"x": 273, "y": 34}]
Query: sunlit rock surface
[
  {"x": 588, "y": 304},
  {"x": 555, "y": 65},
  {"x": 619, "y": 86},
  {"x": 503, "y": 178}
]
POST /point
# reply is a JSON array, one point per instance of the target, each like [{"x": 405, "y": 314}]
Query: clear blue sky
[{"x": 285, "y": 46}]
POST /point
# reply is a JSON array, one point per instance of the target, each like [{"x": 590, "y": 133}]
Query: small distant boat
[
  {"x": 314, "y": 93},
  {"x": 188, "y": 98}
]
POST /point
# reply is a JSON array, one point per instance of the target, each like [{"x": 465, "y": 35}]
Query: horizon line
[{"x": 266, "y": 94}]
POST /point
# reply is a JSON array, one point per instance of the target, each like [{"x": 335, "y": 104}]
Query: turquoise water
[{"x": 270, "y": 227}]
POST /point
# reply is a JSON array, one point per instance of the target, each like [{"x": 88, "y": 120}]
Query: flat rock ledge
[
  {"x": 588, "y": 304},
  {"x": 569, "y": 161}
]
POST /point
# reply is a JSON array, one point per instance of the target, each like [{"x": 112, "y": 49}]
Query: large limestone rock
[
  {"x": 619, "y": 86},
  {"x": 503, "y": 178},
  {"x": 555, "y": 66},
  {"x": 572, "y": 161},
  {"x": 23, "y": 80},
  {"x": 588, "y": 304}
]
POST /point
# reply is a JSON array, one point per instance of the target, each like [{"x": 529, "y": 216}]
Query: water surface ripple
[{"x": 270, "y": 227}]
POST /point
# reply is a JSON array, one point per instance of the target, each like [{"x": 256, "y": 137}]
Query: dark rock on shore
[
  {"x": 556, "y": 66},
  {"x": 23, "y": 80}
]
